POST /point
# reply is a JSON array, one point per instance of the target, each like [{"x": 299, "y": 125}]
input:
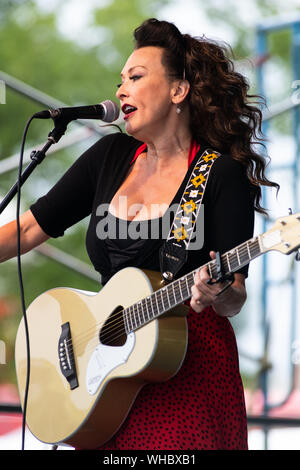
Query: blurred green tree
[{"x": 34, "y": 51}]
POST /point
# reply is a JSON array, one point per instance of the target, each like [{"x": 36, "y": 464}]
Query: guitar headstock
[{"x": 284, "y": 236}]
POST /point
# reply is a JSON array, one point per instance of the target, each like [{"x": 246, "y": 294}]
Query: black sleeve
[
  {"x": 230, "y": 210},
  {"x": 71, "y": 199}
]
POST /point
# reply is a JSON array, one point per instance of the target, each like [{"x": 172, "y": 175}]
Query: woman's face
[{"x": 146, "y": 94}]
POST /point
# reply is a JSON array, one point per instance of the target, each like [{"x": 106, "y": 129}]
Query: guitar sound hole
[{"x": 113, "y": 331}]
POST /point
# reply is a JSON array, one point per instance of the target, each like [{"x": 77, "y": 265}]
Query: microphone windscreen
[{"x": 111, "y": 111}]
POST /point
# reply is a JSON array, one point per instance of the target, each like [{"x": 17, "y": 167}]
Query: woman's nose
[{"x": 121, "y": 92}]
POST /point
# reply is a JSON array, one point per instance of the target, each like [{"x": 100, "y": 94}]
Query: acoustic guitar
[{"x": 90, "y": 353}]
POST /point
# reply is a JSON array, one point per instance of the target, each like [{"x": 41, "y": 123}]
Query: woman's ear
[{"x": 180, "y": 91}]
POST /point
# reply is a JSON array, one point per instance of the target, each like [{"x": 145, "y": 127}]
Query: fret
[
  {"x": 159, "y": 301},
  {"x": 129, "y": 318},
  {"x": 210, "y": 269},
  {"x": 143, "y": 314},
  {"x": 224, "y": 263},
  {"x": 238, "y": 256},
  {"x": 149, "y": 308},
  {"x": 187, "y": 286},
  {"x": 126, "y": 321},
  {"x": 156, "y": 299},
  {"x": 180, "y": 289},
  {"x": 171, "y": 294},
  {"x": 255, "y": 248},
  {"x": 139, "y": 313},
  {"x": 135, "y": 315},
  {"x": 180, "y": 292},
  {"x": 174, "y": 293},
  {"x": 228, "y": 262},
  {"x": 243, "y": 254},
  {"x": 248, "y": 249},
  {"x": 168, "y": 297},
  {"x": 184, "y": 288},
  {"x": 234, "y": 262},
  {"x": 177, "y": 292},
  {"x": 154, "y": 308},
  {"x": 252, "y": 249},
  {"x": 145, "y": 311},
  {"x": 162, "y": 299},
  {"x": 151, "y": 304},
  {"x": 190, "y": 277}
]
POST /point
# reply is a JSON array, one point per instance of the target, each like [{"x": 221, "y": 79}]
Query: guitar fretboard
[{"x": 179, "y": 291}]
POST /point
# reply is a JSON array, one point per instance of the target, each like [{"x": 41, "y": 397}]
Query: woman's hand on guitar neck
[{"x": 227, "y": 304}]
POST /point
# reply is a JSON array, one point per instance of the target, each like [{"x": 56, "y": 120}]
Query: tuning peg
[
  {"x": 290, "y": 211},
  {"x": 297, "y": 257}
]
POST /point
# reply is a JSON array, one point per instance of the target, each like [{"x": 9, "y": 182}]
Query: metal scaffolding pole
[
  {"x": 288, "y": 105},
  {"x": 85, "y": 130},
  {"x": 46, "y": 100}
]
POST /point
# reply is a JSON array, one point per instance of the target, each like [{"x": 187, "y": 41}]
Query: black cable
[{"x": 21, "y": 281}]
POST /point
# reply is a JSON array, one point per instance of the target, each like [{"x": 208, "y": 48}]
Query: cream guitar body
[{"x": 109, "y": 367}]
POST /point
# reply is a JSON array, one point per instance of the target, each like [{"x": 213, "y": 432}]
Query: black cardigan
[{"x": 89, "y": 185}]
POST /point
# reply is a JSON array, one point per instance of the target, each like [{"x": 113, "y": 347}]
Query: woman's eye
[{"x": 135, "y": 77}]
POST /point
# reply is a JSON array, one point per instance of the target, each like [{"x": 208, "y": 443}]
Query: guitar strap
[{"x": 173, "y": 253}]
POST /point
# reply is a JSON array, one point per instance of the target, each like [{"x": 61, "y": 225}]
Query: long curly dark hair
[{"x": 221, "y": 112}]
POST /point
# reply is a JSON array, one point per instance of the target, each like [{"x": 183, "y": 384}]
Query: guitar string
[
  {"x": 120, "y": 321},
  {"x": 114, "y": 325},
  {"x": 109, "y": 340},
  {"x": 113, "y": 338},
  {"x": 155, "y": 293},
  {"x": 118, "y": 314},
  {"x": 95, "y": 341}
]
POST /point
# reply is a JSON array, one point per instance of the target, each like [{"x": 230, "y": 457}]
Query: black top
[{"x": 89, "y": 185}]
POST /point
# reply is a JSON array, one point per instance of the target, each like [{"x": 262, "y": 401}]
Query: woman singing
[{"x": 179, "y": 95}]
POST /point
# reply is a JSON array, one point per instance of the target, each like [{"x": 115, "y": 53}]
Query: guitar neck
[{"x": 178, "y": 291}]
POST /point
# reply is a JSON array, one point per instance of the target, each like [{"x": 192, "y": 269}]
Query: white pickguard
[{"x": 104, "y": 359}]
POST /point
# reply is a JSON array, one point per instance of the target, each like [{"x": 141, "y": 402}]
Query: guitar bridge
[{"x": 66, "y": 356}]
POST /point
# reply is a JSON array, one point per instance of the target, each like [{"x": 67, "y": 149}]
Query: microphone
[{"x": 107, "y": 111}]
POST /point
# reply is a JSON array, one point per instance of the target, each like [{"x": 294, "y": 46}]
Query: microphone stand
[{"x": 37, "y": 156}]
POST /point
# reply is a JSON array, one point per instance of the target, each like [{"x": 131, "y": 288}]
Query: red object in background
[
  {"x": 9, "y": 421},
  {"x": 4, "y": 309}
]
